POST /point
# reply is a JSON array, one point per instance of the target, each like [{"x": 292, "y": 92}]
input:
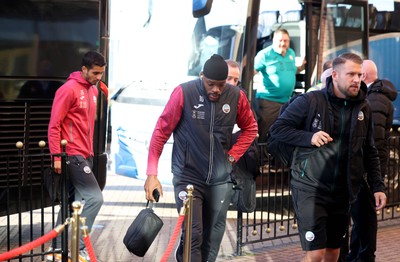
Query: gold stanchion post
[
  {"x": 64, "y": 199},
  {"x": 76, "y": 206},
  {"x": 188, "y": 224}
]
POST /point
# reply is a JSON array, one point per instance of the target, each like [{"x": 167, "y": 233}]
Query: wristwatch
[{"x": 231, "y": 159}]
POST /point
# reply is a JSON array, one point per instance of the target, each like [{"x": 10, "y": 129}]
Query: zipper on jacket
[
  {"x": 304, "y": 168},
  {"x": 71, "y": 137},
  {"x": 211, "y": 161},
  {"x": 340, "y": 139},
  {"x": 89, "y": 118}
]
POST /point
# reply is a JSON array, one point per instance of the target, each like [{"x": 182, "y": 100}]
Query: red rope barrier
[
  {"x": 89, "y": 249},
  {"x": 29, "y": 246},
  {"x": 173, "y": 238}
]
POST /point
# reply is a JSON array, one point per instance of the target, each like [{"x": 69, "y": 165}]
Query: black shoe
[{"x": 179, "y": 252}]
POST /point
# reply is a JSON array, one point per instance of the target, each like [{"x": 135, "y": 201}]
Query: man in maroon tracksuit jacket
[
  {"x": 201, "y": 114},
  {"x": 72, "y": 118}
]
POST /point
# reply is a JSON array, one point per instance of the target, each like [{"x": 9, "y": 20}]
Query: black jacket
[
  {"x": 381, "y": 93},
  {"x": 205, "y": 126},
  {"x": 337, "y": 168}
]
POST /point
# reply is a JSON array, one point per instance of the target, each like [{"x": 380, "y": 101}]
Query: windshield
[
  {"x": 160, "y": 49},
  {"x": 155, "y": 46}
]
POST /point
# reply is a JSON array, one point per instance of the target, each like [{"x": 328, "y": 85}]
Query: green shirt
[{"x": 279, "y": 74}]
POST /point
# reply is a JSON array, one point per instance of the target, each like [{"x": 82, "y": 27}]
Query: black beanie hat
[{"x": 216, "y": 68}]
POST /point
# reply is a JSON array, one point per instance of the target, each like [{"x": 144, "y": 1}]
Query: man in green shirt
[{"x": 277, "y": 66}]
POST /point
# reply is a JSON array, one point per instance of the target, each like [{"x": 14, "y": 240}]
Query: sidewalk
[{"x": 124, "y": 197}]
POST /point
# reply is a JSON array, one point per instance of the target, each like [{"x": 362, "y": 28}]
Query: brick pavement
[{"x": 124, "y": 198}]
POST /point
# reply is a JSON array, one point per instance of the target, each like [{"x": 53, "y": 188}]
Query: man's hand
[
  {"x": 321, "y": 138},
  {"x": 57, "y": 166},
  {"x": 380, "y": 200},
  {"x": 152, "y": 183},
  {"x": 302, "y": 67}
]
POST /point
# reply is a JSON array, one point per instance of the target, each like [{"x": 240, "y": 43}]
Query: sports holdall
[
  {"x": 143, "y": 230},
  {"x": 52, "y": 182},
  {"x": 244, "y": 178}
]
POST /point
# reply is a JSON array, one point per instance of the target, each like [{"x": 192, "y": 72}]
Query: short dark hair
[
  {"x": 344, "y": 57},
  {"x": 327, "y": 65},
  {"x": 232, "y": 63},
  {"x": 93, "y": 58}
]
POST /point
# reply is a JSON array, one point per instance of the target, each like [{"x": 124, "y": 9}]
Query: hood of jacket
[
  {"x": 385, "y": 87},
  {"x": 77, "y": 76}
]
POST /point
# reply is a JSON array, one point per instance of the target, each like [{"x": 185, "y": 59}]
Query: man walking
[
  {"x": 381, "y": 94},
  {"x": 277, "y": 65},
  {"x": 332, "y": 130},
  {"x": 201, "y": 114},
  {"x": 72, "y": 118}
]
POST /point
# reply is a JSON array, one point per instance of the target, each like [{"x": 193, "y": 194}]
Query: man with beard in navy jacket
[
  {"x": 381, "y": 94},
  {"x": 332, "y": 131}
]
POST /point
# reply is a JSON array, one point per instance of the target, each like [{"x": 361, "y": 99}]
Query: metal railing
[{"x": 27, "y": 211}]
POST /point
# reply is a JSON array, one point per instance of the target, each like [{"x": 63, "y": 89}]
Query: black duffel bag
[{"x": 143, "y": 230}]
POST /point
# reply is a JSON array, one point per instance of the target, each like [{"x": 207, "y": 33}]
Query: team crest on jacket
[
  {"x": 360, "y": 116},
  {"x": 226, "y": 108}
]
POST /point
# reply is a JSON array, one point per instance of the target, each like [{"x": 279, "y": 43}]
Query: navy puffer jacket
[{"x": 381, "y": 93}]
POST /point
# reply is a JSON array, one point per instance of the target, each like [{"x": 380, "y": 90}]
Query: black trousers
[
  {"x": 210, "y": 206},
  {"x": 364, "y": 230}
]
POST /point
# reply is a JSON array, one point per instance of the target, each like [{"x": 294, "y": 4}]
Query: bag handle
[
  {"x": 156, "y": 196},
  {"x": 149, "y": 206}
]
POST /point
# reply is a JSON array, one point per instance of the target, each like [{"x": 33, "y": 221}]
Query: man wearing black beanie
[
  {"x": 201, "y": 114},
  {"x": 216, "y": 68}
]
